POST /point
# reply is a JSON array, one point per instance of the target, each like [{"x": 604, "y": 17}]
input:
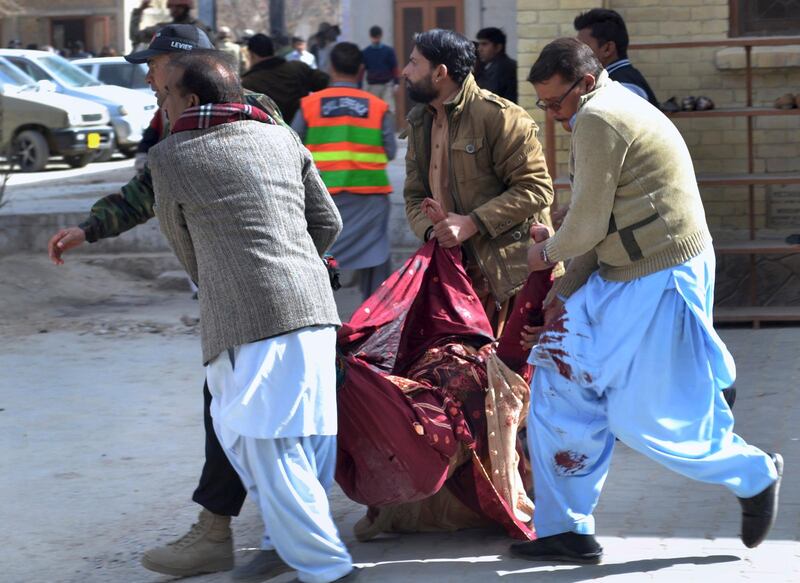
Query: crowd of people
[{"x": 499, "y": 323}]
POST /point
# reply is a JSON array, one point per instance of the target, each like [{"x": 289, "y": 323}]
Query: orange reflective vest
[{"x": 345, "y": 138}]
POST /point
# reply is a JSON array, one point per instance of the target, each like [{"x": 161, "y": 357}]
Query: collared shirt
[
  {"x": 439, "y": 170},
  {"x": 625, "y": 73}
]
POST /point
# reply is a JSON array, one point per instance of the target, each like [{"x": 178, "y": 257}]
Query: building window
[{"x": 764, "y": 17}]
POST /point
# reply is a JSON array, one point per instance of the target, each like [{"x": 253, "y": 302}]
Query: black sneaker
[
  {"x": 759, "y": 511},
  {"x": 569, "y": 547}
]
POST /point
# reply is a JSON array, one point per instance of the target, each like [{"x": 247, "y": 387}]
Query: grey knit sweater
[{"x": 247, "y": 214}]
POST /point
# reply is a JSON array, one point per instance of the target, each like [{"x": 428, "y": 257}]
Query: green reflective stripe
[
  {"x": 344, "y": 133},
  {"x": 345, "y": 178},
  {"x": 347, "y": 156}
]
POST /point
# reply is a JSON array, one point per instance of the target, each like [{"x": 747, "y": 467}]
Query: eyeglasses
[{"x": 544, "y": 106}]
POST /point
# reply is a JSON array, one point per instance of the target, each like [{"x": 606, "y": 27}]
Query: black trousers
[{"x": 220, "y": 490}]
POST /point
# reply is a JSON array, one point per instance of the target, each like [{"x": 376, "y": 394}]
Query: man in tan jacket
[{"x": 475, "y": 165}]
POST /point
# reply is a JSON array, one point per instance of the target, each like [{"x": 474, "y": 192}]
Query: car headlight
[{"x": 122, "y": 110}]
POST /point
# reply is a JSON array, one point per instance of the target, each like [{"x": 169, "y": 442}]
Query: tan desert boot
[{"x": 206, "y": 548}]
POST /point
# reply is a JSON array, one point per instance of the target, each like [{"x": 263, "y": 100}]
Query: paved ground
[{"x": 100, "y": 411}]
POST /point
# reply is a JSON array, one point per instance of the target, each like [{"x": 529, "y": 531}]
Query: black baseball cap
[{"x": 172, "y": 38}]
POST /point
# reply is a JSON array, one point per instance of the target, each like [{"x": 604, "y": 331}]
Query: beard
[{"x": 422, "y": 91}]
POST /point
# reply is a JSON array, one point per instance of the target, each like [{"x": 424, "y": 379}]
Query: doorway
[{"x": 412, "y": 17}]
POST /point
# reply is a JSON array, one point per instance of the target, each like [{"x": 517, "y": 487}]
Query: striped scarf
[{"x": 202, "y": 117}]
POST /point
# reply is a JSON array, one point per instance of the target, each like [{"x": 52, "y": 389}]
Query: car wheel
[
  {"x": 128, "y": 152},
  {"x": 103, "y": 155},
  {"x": 78, "y": 160},
  {"x": 32, "y": 151}
]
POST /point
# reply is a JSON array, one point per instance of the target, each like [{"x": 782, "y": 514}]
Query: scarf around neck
[{"x": 202, "y": 117}]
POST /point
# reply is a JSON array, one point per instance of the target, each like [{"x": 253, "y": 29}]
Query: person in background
[
  {"x": 179, "y": 10},
  {"x": 109, "y": 51},
  {"x": 299, "y": 53},
  {"x": 322, "y": 42},
  {"x": 226, "y": 44},
  {"x": 286, "y": 82},
  {"x": 79, "y": 52},
  {"x": 498, "y": 71},
  {"x": 380, "y": 64},
  {"x": 628, "y": 348},
  {"x": 351, "y": 136},
  {"x": 606, "y": 34}
]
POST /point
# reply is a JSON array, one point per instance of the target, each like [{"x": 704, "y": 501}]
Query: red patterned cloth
[
  {"x": 414, "y": 388},
  {"x": 202, "y": 117}
]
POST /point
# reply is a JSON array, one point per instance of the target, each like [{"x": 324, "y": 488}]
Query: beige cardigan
[{"x": 635, "y": 205}]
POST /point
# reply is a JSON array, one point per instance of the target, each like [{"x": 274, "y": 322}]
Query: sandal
[
  {"x": 786, "y": 101},
  {"x": 704, "y": 103}
]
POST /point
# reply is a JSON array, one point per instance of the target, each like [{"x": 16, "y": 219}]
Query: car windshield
[
  {"x": 65, "y": 72},
  {"x": 10, "y": 75}
]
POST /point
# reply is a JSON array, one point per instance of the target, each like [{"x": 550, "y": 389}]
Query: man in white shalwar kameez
[
  {"x": 629, "y": 348},
  {"x": 242, "y": 205}
]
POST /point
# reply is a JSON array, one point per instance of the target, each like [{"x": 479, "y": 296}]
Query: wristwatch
[{"x": 543, "y": 255}]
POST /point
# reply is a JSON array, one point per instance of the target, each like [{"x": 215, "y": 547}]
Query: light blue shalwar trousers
[
  {"x": 274, "y": 412},
  {"x": 638, "y": 360}
]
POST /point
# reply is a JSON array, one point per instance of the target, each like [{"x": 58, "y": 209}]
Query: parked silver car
[
  {"x": 130, "y": 111},
  {"x": 116, "y": 71}
]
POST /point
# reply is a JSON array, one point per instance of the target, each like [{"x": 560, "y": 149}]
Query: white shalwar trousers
[
  {"x": 286, "y": 461},
  {"x": 638, "y": 360}
]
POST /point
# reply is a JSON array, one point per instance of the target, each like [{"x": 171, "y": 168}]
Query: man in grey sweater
[{"x": 242, "y": 205}]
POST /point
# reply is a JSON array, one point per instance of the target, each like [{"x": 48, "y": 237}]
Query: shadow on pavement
[{"x": 490, "y": 569}]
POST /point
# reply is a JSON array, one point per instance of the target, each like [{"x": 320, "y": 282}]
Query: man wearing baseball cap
[
  {"x": 179, "y": 10},
  {"x": 208, "y": 546}
]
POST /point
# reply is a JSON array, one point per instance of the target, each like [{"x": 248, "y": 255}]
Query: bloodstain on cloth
[
  {"x": 550, "y": 343},
  {"x": 569, "y": 463}
]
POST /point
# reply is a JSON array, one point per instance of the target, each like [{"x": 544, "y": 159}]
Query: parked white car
[
  {"x": 36, "y": 123},
  {"x": 130, "y": 111},
  {"x": 116, "y": 71}
]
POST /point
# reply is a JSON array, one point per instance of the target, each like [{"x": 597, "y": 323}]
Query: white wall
[
  {"x": 480, "y": 14},
  {"x": 359, "y": 15}
]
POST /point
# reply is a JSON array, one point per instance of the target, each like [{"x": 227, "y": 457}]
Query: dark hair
[
  {"x": 297, "y": 39},
  {"x": 346, "y": 58},
  {"x": 261, "y": 45},
  {"x": 448, "y": 48},
  {"x": 211, "y": 75},
  {"x": 375, "y": 31},
  {"x": 606, "y": 25},
  {"x": 567, "y": 57},
  {"x": 493, "y": 34}
]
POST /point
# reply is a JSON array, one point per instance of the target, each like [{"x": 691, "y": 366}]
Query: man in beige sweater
[{"x": 629, "y": 349}]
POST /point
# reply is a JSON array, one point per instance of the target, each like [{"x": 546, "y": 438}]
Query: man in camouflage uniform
[
  {"x": 208, "y": 546},
  {"x": 179, "y": 10}
]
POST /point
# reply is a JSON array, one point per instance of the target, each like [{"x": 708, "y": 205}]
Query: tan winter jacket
[{"x": 497, "y": 175}]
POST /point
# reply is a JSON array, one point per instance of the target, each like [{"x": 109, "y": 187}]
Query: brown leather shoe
[
  {"x": 786, "y": 101},
  {"x": 670, "y": 105},
  {"x": 704, "y": 103}
]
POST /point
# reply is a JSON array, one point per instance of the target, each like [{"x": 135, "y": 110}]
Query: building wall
[
  {"x": 717, "y": 145},
  {"x": 33, "y": 24}
]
